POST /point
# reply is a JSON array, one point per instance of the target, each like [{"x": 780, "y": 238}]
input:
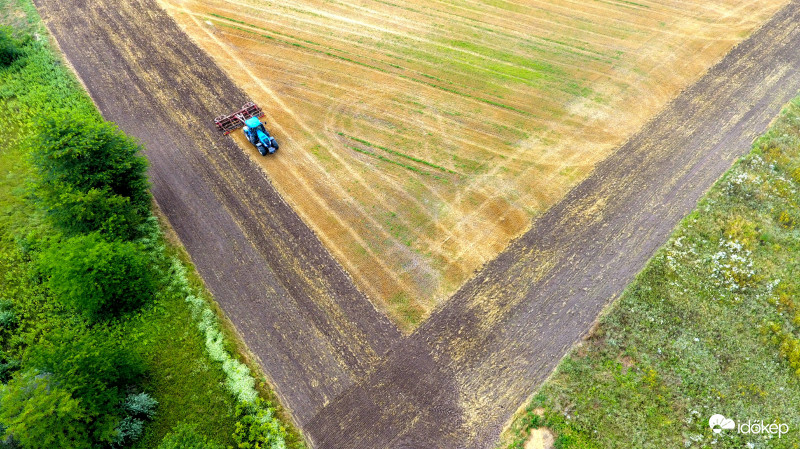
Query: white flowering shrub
[
  {"x": 238, "y": 378},
  {"x": 742, "y": 184},
  {"x": 732, "y": 266}
]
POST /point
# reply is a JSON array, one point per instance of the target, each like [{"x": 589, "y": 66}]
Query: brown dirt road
[{"x": 455, "y": 381}]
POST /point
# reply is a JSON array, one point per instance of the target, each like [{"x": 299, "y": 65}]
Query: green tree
[
  {"x": 38, "y": 414},
  {"x": 95, "y": 210},
  {"x": 185, "y": 436},
  {"x": 9, "y": 47},
  {"x": 94, "y": 369},
  {"x": 81, "y": 155},
  {"x": 101, "y": 279}
]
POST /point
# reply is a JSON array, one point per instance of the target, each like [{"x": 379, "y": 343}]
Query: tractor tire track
[{"x": 295, "y": 307}]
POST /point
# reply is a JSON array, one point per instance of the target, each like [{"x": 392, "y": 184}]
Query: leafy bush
[
  {"x": 185, "y": 436},
  {"x": 128, "y": 431},
  {"x": 257, "y": 428},
  {"x": 7, "y": 367},
  {"x": 93, "y": 369},
  {"x": 239, "y": 380},
  {"x": 140, "y": 405},
  {"x": 8, "y": 318},
  {"x": 92, "y": 177},
  {"x": 9, "y": 47},
  {"x": 99, "y": 278},
  {"x": 138, "y": 408},
  {"x": 8, "y": 442},
  {"x": 96, "y": 210},
  {"x": 38, "y": 413}
]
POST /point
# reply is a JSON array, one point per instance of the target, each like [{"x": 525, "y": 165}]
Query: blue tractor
[
  {"x": 257, "y": 135},
  {"x": 248, "y": 119}
]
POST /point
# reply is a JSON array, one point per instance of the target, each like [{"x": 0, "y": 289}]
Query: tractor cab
[{"x": 257, "y": 135}]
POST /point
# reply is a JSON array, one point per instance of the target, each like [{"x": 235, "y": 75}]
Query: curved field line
[
  {"x": 415, "y": 80},
  {"x": 400, "y": 105},
  {"x": 440, "y": 227},
  {"x": 419, "y": 62},
  {"x": 285, "y": 108},
  {"x": 514, "y": 108}
]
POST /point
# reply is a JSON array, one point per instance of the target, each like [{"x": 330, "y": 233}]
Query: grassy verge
[
  {"x": 189, "y": 375},
  {"x": 710, "y": 326}
]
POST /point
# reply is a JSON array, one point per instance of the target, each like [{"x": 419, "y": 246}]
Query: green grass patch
[
  {"x": 392, "y": 161},
  {"x": 369, "y": 66},
  {"x": 710, "y": 326},
  {"x": 188, "y": 384},
  {"x": 411, "y": 313},
  {"x": 398, "y": 153}
]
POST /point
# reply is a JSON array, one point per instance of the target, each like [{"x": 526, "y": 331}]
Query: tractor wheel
[{"x": 274, "y": 143}]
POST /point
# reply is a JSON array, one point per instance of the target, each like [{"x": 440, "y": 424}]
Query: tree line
[{"x": 72, "y": 383}]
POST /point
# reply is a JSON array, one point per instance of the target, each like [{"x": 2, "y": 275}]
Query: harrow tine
[{"x": 232, "y": 122}]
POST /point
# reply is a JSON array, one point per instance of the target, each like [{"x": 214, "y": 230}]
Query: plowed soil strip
[
  {"x": 298, "y": 311},
  {"x": 459, "y": 377}
]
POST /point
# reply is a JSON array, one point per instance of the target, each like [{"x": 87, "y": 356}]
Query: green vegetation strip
[
  {"x": 391, "y": 161},
  {"x": 397, "y": 153},
  {"x": 106, "y": 339},
  {"x": 710, "y": 326},
  {"x": 372, "y": 67},
  {"x": 625, "y": 4},
  {"x": 527, "y": 41}
]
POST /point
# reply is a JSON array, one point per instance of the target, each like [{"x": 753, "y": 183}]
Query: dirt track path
[
  {"x": 296, "y": 308},
  {"x": 455, "y": 381}
]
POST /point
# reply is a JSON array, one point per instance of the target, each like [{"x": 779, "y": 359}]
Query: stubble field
[{"x": 419, "y": 138}]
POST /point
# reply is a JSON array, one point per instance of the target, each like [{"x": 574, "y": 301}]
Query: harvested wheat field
[{"x": 419, "y": 138}]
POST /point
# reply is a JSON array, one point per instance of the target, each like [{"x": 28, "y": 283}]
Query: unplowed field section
[
  {"x": 455, "y": 381},
  {"x": 419, "y": 137},
  {"x": 297, "y": 309}
]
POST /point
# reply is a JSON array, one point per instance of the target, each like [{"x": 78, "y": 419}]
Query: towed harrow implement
[
  {"x": 248, "y": 119},
  {"x": 229, "y": 123}
]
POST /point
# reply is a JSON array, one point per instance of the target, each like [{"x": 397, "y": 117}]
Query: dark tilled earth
[
  {"x": 298, "y": 311},
  {"x": 347, "y": 375}
]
